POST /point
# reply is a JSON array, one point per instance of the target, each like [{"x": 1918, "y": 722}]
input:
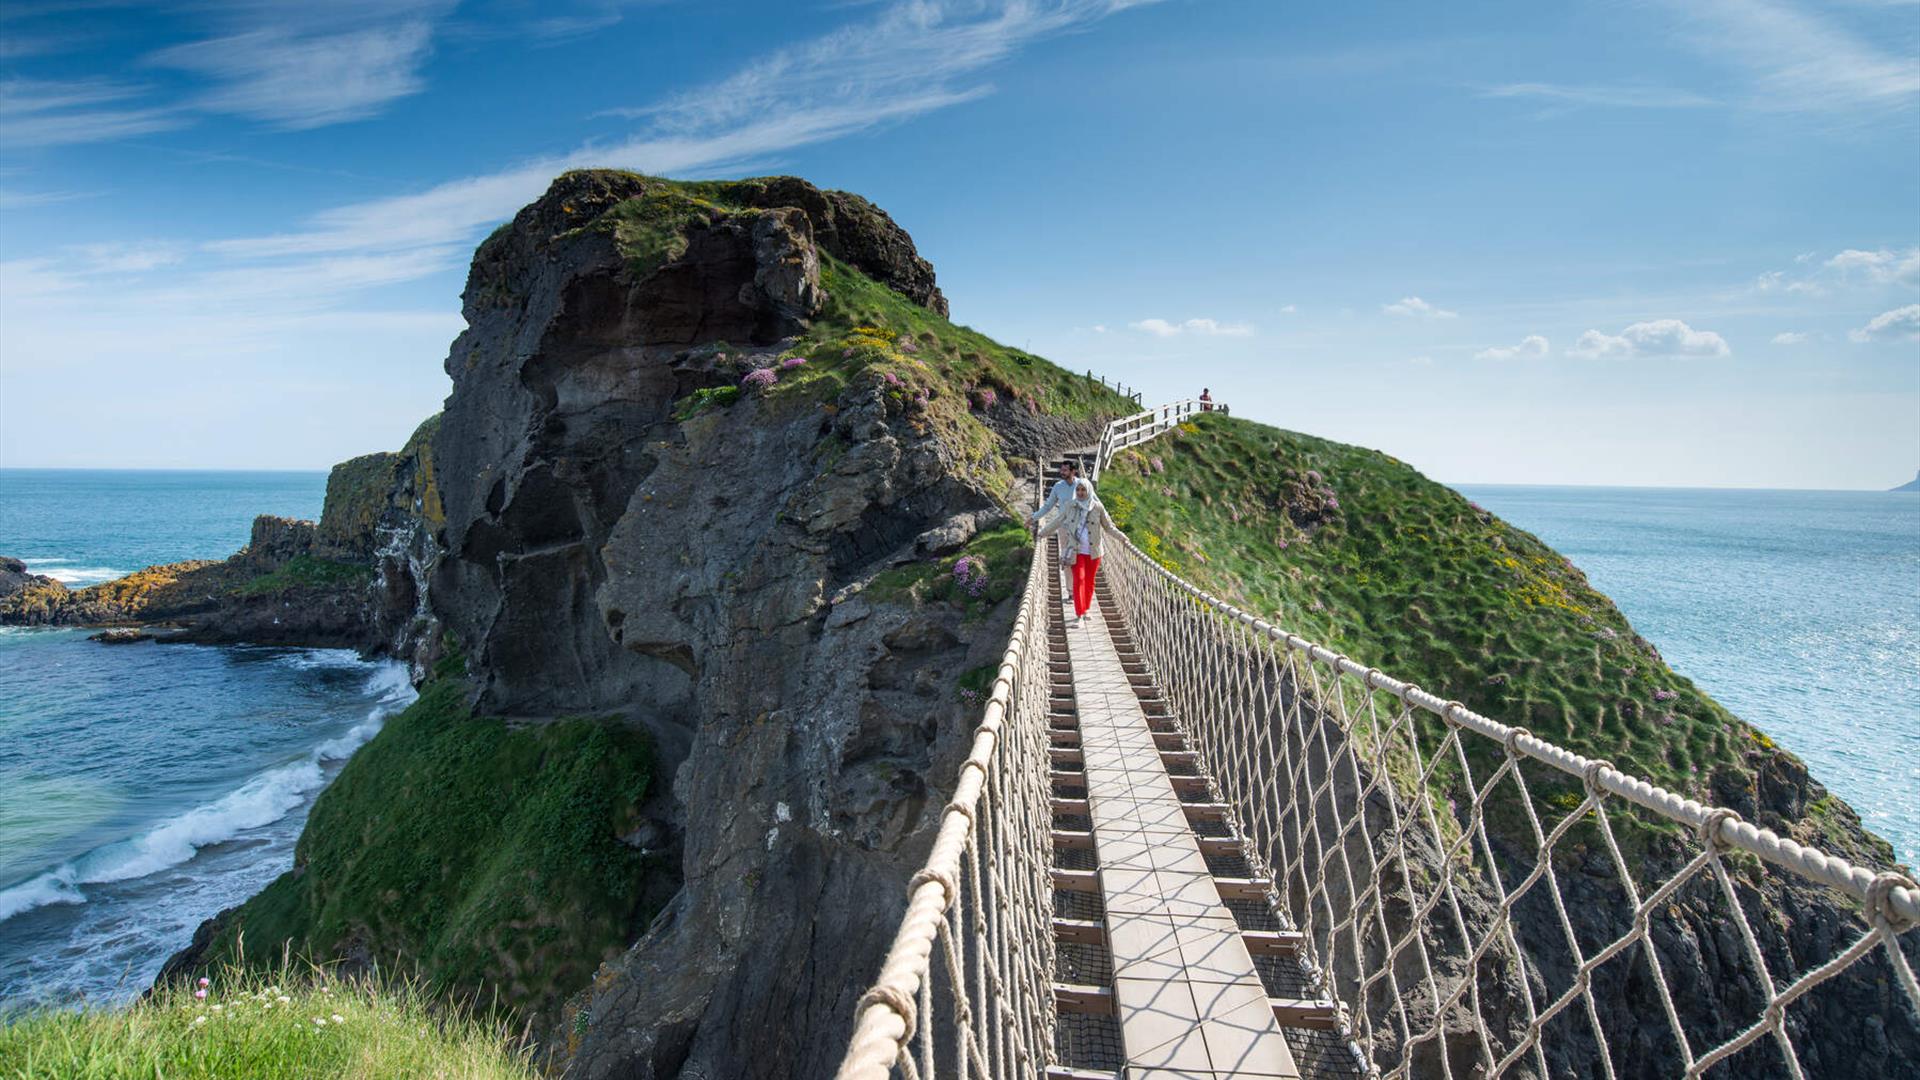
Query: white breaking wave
[
  {"x": 58, "y": 570},
  {"x": 262, "y": 800}
]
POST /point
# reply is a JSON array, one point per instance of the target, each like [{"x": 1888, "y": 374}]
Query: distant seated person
[{"x": 1206, "y": 400}]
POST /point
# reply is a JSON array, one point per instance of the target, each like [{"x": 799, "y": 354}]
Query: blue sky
[{"x": 1643, "y": 243}]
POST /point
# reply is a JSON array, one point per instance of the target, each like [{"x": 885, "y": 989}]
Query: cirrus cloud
[
  {"x": 1657, "y": 337},
  {"x": 1900, "y": 324},
  {"x": 1412, "y": 307},
  {"x": 1200, "y": 327},
  {"x": 1531, "y": 347}
]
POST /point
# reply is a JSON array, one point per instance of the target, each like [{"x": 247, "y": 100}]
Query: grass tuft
[{"x": 294, "y": 1020}]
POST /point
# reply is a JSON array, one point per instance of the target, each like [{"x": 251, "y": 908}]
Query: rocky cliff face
[
  {"x": 710, "y": 454},
  {"x": 701, "y": 578}
]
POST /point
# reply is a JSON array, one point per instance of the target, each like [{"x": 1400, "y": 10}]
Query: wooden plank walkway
[{"x": 1189, "y": 1000}]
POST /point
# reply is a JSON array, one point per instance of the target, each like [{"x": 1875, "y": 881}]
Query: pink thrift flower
[{"x": 200, "y": 993}]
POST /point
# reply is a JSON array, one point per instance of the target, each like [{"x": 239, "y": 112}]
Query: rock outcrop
[{"x": 710, "y": 452}]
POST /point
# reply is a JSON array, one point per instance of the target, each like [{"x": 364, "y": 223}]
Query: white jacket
[{"x": 1065, "y": 524}]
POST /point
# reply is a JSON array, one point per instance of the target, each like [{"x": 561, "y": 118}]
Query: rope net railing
[
  {"x": 966, "y": 989},
  {"x": 1476, "y": 912}
]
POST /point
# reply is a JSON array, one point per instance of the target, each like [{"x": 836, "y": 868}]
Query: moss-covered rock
[{"x": 486, "y": 856}]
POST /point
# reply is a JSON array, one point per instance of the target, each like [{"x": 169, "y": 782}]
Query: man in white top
[{"x": 1059, "y": 497}]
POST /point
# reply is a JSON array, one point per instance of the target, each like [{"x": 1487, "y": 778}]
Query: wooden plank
[
  {"x": 1219, "y": 845},
  {"x": 1065, "y": 737},
  {"x": 1302, "y": 1013},
  {"x": 1071, "y": 840},
  {"x": 1080, "y": 931},
  {"x": 1075, "y": 998},
  {"x": 1071, "y": 806},
  {"x": 1067, "y": 755},
  {"x": 1076, "y": 880},
  {"x": 1233, "y": 888},
  {"x": 1206, "y": 811},
  {"x": 1187, "y": 784},
  {"x": 1062, "y": 1072},
  {"x": 1272, "y": 942}
]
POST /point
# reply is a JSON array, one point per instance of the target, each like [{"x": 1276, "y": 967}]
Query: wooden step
[
  {"x": 1086, "y": 881},
  {"x": 1062, "y": 755},
  {"x": 1080, "y": 931},
  {"x": 1071, "y": 806},
  {"x": 1062, "y": 1072},
  {"x": 1233, "y": 888},
  {"x": 1219, "y": 845},
  {"x": 1203, "y": 811},
  {"x": 1272, "y": 942},
  {"x": 1304, "y": 1013},
  {"x": 1089, "y": 1000}
]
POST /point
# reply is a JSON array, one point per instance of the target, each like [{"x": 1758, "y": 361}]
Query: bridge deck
[{"x": 1189, "y": 999}]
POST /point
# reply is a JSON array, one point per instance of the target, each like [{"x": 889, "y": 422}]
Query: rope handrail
[
  {"x": 997, "y": 991},
  {"x": 1903, "y": 900},
  {"x": 1405, "y": 907}
]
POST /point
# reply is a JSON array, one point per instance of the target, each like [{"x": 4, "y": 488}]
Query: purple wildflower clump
[
  {"x": 969, "y": 696},
  {"x": 1159, "y": 466},
  {"x": 760, "y": 378},
  {"x": 985, "y": 397},
  {"x": 920, "y": 399},
  {"x": 970, "y": 574},
  {"x": 788, "y": 363},
  {"x": 1608, "y": 633},
  {"x": 1166, "y": 492},
  {"x": 907, "y": 344},
  {"x": 1665, "y": 695},
  {"x": 891, "y": 379}
]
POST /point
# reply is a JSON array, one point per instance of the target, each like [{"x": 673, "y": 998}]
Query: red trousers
[{"x": 1084, "y": 567}]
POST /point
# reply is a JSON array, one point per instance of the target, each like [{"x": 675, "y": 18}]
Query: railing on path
[
  {"x": 967, "y": 986},
  {"x": 1142, "y": 426},
  {"x": 1387, "y": 819}
]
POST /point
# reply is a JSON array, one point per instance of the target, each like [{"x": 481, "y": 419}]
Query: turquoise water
[
  {"x": 1798, "y": 610},
  {"x": 144, "y": 787}
]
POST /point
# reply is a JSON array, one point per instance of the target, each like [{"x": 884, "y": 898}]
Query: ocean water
[
  {"x": 1798, "y": 610},
  {"x": 145, "y": 787}
]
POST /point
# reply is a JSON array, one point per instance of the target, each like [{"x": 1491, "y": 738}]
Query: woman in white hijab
[{"x": 1082, "y": 525}]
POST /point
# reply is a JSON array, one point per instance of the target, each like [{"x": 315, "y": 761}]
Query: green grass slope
[
  {"x": 1356, "y": 550},
  {"x": 485, "y": 856},
  {"x": 275, "y": 1023}
]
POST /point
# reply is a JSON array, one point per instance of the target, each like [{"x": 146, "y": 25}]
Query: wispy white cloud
[
  {"x": 13, "y": 199},
  {"x": 1610, "y": 96},
  {"x": 50, "y": 112},
  {"x": 296, "y": 81},
  {"x": 911, "y": 59},
  {"x": 1801, "y": 61},
  {"x": 1531, "y": 347},
  {"x": 1790, "y": 337},
  {"x": 1659, "y": 337},
  {"x": 1854, "y": 269},
  {"x": 1900, "y": 324},
  {"x": 1198, "y": 327},
  {"x": 131, "y": 258},
  {"x": 1413, "y": 307},
  {"x": 1881, "y": 267}
]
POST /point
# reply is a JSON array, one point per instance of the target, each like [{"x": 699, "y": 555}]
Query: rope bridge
[{"x": 1436, "y": 915}]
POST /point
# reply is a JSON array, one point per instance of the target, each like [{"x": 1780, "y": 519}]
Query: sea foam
[{"x": 262, "y": 800}]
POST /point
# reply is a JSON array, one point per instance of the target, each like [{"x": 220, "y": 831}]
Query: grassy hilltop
[{"x": 1360, "y": 552}]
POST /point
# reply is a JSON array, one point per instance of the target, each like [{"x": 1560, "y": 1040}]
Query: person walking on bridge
[
  {"x": 1058, "y": 498},
  {"x": 1082, "y": 528}
]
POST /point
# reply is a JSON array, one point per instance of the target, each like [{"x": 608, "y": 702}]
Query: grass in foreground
[{"x": 292, "y": 1022}]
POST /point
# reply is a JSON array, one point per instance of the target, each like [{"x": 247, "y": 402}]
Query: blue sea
[
  {"x": 145, "y": 787},
  {"x": 1798, "y": 610}
]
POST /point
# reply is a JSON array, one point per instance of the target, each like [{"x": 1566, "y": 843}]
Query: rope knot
[
  {"x": 1710, "y": 827},
  {"x": 945, "y": 879},
  {"x": 1447, "y": 711},
  {"x": 1407, "y": 692},
  {"x": 1513, "y": 740},
  {"x": 1880, "y": 901},
  {"x": 900, "y": 1003},
  {"x": 1590, "y": 776}
]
